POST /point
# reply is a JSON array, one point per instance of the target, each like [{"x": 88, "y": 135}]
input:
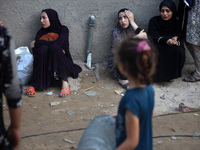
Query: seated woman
[
  {"x": 125, "y": 28},
  {"x": 165, "y": 31},
  {"x": 52, "y": 59}
]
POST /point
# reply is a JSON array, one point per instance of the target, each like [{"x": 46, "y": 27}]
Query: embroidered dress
[
  {"x": 193, "y": 35},
  {"x": 118, "y": 35},
  {"x": 193, "y": 25}
]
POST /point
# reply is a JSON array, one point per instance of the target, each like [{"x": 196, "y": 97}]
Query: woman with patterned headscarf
[{"x": 126, "y": 27}]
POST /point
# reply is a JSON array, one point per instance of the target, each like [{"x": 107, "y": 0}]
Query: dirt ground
[{"x": 60, "y": 127}]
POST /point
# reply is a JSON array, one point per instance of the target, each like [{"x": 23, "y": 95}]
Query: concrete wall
[{"x": 21, "y": 17}]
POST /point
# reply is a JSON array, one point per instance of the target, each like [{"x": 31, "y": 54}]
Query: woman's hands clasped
[{"x": 173, "y": 41}]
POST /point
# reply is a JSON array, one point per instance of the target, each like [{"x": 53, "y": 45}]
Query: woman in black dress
[
  {"x": 165, "y": 31},
  {"x": 52, "y": 59}
]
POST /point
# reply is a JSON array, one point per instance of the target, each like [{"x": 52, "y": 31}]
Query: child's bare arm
[{"x": 132, "y": 132}]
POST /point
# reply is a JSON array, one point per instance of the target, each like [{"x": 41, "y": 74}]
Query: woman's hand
[
  {"x": 32, "y": 44},
  {"x": 130, "y": 16},
  {"x": 141, "y": 35},
  {"x": 1, "y": 23},
  {"x": 173, "y": 41}
]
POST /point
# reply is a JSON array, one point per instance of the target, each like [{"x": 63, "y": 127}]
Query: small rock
[
  {"x": 70, "y": 112},
  {"x": 118, "y": 91},
  {"x": 49, "y": 93},
  {"x": 162, "y": 96},
  {"x": 66, "y": 140},
  {"x": 173, "y": 138},
  {"x": 54, "y": 103},
  {"x": 160, "y": 142},
  {"x": 197, "y": 134}
]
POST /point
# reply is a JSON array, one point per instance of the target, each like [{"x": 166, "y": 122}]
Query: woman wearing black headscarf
[
  {"x": 165, "y": 31},
  {"x": 52, "y": 59}
]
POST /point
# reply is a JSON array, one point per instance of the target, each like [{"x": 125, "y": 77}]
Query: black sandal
[
  {"x": 191, "y": 78},
  {"x": 125, "y": 86}
]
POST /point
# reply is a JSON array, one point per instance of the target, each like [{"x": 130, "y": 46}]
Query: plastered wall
[{"x": 21, "y": 17}]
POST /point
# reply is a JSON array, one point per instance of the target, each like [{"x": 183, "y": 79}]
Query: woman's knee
[
  {"x": 42, "y": 50},
  {"x": 54, "y": 48}
]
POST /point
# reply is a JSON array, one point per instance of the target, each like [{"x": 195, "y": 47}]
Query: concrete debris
[{"x": 69, "y": 141}]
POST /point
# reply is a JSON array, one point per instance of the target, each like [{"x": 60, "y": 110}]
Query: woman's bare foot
[{"x": 65, "y": 89}]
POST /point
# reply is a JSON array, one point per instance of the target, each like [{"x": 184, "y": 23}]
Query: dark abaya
[
  {"x": 171, "y": 58},
  {"x": 49, "y": 59}
]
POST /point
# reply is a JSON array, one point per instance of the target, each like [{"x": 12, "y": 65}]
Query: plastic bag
[{"x": 24, "y": 64}]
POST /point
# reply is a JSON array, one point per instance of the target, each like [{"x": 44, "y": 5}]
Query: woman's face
[
  {"x": 123, "y": 20},
  {"x": 44, "y": 19},
  {"x": 166, "y": 13}
]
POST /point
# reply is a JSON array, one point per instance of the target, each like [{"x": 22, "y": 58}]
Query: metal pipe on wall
[{"x": 89, "y": 43}]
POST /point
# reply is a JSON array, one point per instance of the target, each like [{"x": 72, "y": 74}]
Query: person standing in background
[
  {"x": 193, "y": 39},
  {"x": 11, "y": 87}
]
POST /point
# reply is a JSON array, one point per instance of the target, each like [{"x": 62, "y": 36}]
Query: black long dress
[
  {"x": 49, "y": 59},
  {"x": 170, "y": 58}
]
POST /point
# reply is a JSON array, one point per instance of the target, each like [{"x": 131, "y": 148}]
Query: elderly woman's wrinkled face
[
  {"x": 166, "y": 13},
  {"x": 44, "y": 19},
  {"x": 123, "y": 20}
]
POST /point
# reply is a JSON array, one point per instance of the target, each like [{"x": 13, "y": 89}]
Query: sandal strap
[
  {"x": 31, "y": 89},
  {"x": 191, "y": 78},
  {"x": 65, "y": 91}
]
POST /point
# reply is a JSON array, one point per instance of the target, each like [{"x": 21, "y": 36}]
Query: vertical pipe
[
  {"x": 91, "y": 30},
  {"x": 89, "y": 43}
]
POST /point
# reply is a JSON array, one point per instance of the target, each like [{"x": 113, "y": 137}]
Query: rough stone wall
[{"x": 22, "y": 18}]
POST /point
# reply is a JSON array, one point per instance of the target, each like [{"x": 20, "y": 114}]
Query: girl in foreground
[{"x": 136, "y": 60}]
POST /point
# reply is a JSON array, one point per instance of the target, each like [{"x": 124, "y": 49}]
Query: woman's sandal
[
  {"x": 30, "y": 91},
  {"x": 125, "y": 86},
  {"x": 66, "y": 91},
  {"x": 191, "y": 78}
]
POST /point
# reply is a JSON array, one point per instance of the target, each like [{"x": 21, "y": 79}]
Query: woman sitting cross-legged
[{"x": 52, "y": 59}]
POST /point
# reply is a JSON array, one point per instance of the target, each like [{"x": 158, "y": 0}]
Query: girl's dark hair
[{"x": 140, "y": 65}]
